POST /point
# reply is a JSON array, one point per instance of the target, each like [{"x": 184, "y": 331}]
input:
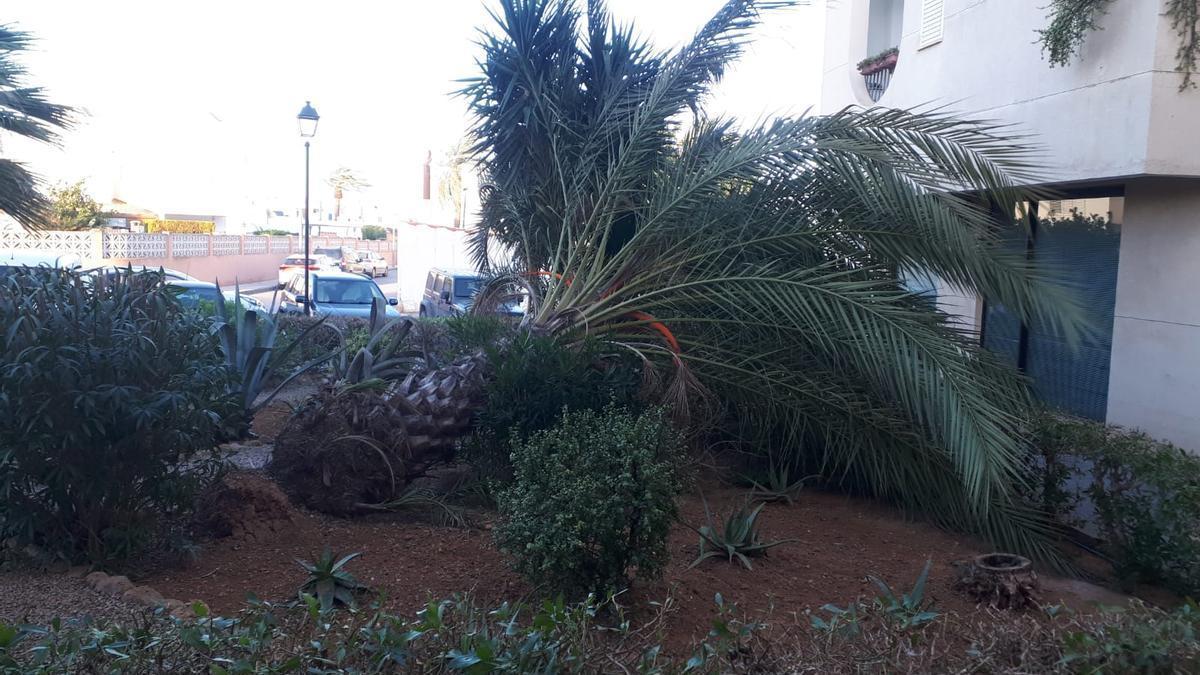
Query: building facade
[{"x": 1121, "y": 147}]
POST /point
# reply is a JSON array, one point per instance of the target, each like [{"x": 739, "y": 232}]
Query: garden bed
[{"x": 839, "y": 542}]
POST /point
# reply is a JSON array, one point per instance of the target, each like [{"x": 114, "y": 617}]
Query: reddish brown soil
[
  {"x": 838, "y": 543},
  {"x": 270, "y": 420}
]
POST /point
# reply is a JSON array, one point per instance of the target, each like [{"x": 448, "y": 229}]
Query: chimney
[{"x": 425, "y": 175}]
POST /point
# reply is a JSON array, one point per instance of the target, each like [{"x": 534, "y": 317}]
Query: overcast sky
[{"x": 191, "y": 105}]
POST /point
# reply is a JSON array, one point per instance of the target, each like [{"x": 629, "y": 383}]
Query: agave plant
[
  {"x": 247, "y": 341},
  {"x": 381, "y": 358},
  {"x": 737, "y": 539},
  {"x": 328, "y": 581},
  {"x": 780, "y": 484},
  {"x": 759, "y": 265},
  {"x": 25, "y": 112}
]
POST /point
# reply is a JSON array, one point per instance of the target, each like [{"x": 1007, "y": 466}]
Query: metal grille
[{"x": 877, "y": 83}]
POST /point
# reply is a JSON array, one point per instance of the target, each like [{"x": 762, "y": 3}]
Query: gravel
[
  {"x": 250, "y": 457},
  {"x": 38, "y": 597}
]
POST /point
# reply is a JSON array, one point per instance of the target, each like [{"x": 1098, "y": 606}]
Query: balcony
[{"x": 877, "y": 72}]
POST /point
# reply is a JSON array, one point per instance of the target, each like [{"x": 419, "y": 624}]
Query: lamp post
[{"x": 308, "y": 128}]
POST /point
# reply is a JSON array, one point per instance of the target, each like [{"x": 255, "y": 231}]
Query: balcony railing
[{"x": 877, "y": 83}]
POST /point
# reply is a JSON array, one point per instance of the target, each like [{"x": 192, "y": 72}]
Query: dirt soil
[{"x": 839, "y": 541}]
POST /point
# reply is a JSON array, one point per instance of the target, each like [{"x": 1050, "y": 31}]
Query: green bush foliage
[
  {"x": 111, "y": 399},
  {"x": 452, "y": 636},
  {"x": 533, "y": 379},
  {"x": 1146, "y": 496},
  {"x": 374, "y": 232},
  {"x": 459, "y": 636},
  {"x": 593, "y": 497}
]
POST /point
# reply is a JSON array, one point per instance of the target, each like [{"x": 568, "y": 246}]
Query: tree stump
[{"x": 1002, "y": 580}]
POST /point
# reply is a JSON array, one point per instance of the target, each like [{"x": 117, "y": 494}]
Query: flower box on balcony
[{"x": 884, "y": 61}]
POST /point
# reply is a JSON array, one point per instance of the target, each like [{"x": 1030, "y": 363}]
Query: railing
[{"x": 877, "y": 82}]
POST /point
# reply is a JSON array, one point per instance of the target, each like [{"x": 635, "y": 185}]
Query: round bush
[{"x": 593, "y": 498}]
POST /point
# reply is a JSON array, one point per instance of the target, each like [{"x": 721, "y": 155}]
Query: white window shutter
[{"x": 932, "y": 22}]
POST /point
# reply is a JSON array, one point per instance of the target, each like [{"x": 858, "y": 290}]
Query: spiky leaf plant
[
  {"x": 247, "y": 341},
  {"x": 328, "y": 581},
  {"x": 736, "y": 539}
]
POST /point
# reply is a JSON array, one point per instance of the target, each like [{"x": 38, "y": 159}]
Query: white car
[
  {"x": 168, "y": 273},
  {"x": 294, "y": 264},
  {"x": 10, "y": 258}
]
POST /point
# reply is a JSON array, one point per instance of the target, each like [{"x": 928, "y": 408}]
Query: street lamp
[{"x": 308, "y": 118}]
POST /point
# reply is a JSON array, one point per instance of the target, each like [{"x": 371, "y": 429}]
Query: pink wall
[{"x": 224, "y": 268}]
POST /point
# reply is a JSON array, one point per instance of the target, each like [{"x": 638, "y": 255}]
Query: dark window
[
  {"x": 1079, "y": 240},
  {"x": 345, "y": 292},
  {"x": 465, "y": 287}
]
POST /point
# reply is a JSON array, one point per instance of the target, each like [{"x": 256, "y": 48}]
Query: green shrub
[
  {"x": 533, "y": 379},
  {"x": 452, "y": 636},
  {"x": 593, "y": 497},
  {"x": 374, "y": 232},
  {"x": 1146, "y": 496},
  {"x": 111, "y": 399}
]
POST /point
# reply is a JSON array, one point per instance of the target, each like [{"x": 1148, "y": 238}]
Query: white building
[{"x": 1122, "y": 149}]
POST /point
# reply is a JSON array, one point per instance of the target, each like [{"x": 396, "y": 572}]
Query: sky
[{"x": 190, "y": 106}]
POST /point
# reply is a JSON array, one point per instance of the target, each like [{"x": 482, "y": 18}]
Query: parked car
[
  {"x": 449, "y": 293},
  {"x": 168, "y": 273},
  {"x": 343, "y": 257},
  {"x": 370, "y": 263},
  {"x": 334, "y": 293},
  {"x": 12, "y": 259},
  {"x": 294, "y": 264},
  {"x": 192, "y": 293}
]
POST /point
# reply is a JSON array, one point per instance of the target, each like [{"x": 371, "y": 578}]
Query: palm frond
[{"x": 762, "y": 264}]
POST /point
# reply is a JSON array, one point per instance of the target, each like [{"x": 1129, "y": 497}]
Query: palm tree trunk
[{"x": 348, "y": 448}]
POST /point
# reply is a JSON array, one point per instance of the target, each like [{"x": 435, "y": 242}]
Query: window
[
  {"x": 933, "y": 18},
  {"x": 345, "y": 291},
  {"x": 1079, "y": 239},
  {"x": 465, "y": 287}
]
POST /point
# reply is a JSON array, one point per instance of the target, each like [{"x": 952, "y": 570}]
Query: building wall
[
  {"x": 1114, "y": 116},
  {"x": 1115, "y": 111},
  {"x": 1155, "y": 380}
]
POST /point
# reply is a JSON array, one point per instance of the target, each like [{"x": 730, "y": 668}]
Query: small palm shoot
[
  {"x": 329, "y": 581},
  {"x": 908, "y": 610},
  {"x": 780, "y": 484},
  {"x": 738, "y": 539}
]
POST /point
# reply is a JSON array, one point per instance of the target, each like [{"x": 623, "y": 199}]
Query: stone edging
[{"x": 143, "y": 596}]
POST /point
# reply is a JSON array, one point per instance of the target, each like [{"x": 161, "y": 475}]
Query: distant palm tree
[
  {"x": 450, "y": 184},
  {"x": 341, "y": 180},
  {"x": 25, "y": 112}
]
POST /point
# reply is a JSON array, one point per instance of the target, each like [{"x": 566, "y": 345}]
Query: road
[{"x": 387, "y": 284}]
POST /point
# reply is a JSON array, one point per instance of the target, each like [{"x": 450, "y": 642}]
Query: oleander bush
[
  {"x": 112, "y": 398},
  {"x": 1144, "y": 496},
  {"x": 592, "y": 500}
]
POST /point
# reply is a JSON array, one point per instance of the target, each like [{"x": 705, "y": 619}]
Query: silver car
[{"x": 334, "y": 294}]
